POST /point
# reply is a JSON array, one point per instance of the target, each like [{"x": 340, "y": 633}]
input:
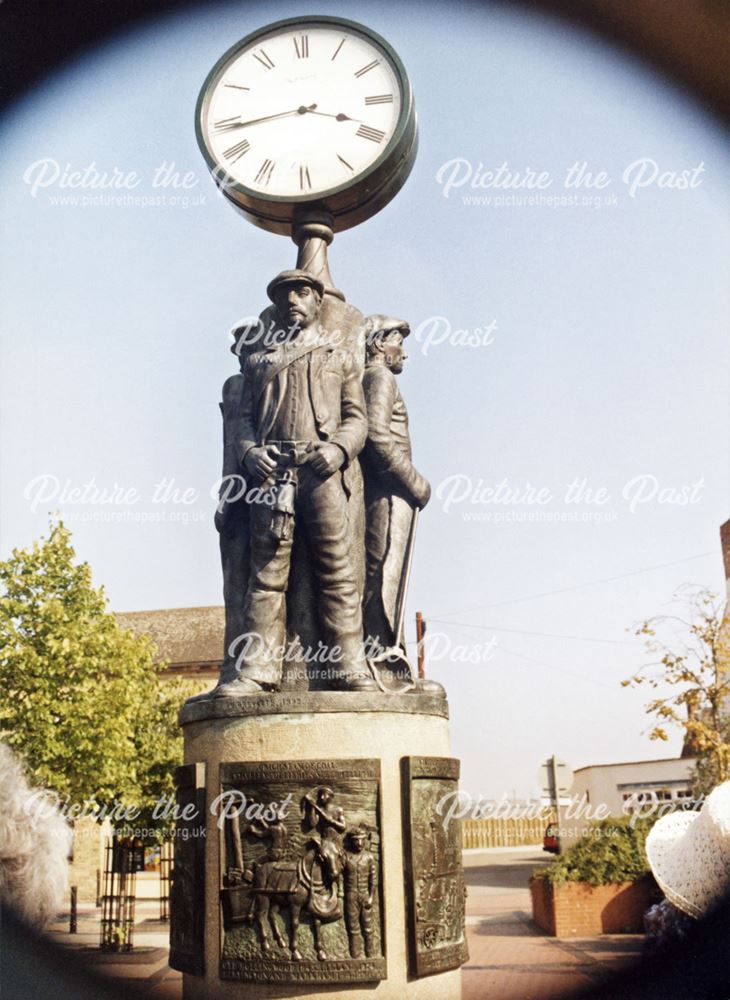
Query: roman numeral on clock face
[
  {"x": 265, "y": 171},
  {"x": 338, "y": 49},
  {"x": 366, "y": 69},
  {"x": 305, "y": 181},
  {"x": 264, "y": 59},
  {"x": 301, "y": 45},
  {"x": 237, "y": 151},
  {"x": 374, "y": 134},
  {"x": 380, "y": 99},
  {"x": 344, "y": 162},
  {"x": 227, "y": 124}
]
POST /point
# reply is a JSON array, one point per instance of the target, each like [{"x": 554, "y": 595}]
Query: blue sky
[{"x": 607, "y": 359}]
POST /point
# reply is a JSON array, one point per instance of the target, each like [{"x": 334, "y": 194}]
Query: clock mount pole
[{"x": 313, "y": 231}]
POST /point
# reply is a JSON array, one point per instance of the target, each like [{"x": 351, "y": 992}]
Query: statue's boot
[
  {"x": 203, "y": 696},
  {"x": 239, "y": 687},
  {"x": 229, "y": 672},
  {"x": 356, "y": 673},
  {"x": 360, "y": 680},
  {"x": 424, "y": 685}
]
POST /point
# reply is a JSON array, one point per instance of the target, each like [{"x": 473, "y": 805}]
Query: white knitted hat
[{"x": 689, "y": 854}]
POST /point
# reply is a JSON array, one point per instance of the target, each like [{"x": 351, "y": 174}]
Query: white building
[{"x": 618, "y": 786}]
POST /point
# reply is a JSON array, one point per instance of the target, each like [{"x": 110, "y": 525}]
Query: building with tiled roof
[{"x": 188, "y": 640}]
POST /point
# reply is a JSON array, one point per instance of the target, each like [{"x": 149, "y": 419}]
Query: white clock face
[{"x": 302, "y": 110}]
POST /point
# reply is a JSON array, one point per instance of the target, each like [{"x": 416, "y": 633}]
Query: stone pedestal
[{"x": 354, "y": 765}]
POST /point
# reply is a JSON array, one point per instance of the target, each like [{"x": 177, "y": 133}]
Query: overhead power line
[
  {"x": 580, "y": 586},
  {"x": 544, "y": 635}
]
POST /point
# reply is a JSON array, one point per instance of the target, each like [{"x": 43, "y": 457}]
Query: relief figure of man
[{"x": 361, "y": 880}]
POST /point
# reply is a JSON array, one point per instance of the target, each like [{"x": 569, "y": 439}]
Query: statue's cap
[
  {"x": 378, "y": 323},
  {"x": 294, "y": 277},
  {"x": 243, "y": 328}
]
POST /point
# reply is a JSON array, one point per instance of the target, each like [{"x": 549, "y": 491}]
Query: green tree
[
  {"x": 83, "y": 700},
  {"x": 691, "y": 677}
]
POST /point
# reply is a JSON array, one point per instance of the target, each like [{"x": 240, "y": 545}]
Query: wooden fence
[{"x": 503, "y": 832}]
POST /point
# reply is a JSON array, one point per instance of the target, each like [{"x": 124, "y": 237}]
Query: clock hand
[
  {"x": 340, "y": 117},
  {"x": 301, "y": 110}
]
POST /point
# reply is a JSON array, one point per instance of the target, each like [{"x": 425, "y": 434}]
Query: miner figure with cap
[
  {"x": 394, "y": 489},
  {"x": 232, "y": 511},
  {"x": 301, "y": 422}
]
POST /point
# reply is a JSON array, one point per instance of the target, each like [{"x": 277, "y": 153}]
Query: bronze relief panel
[
  {"x": 435, "y": 890},
  {"x": 187, "y": 886},
  {"x": 301, "y": 879}
]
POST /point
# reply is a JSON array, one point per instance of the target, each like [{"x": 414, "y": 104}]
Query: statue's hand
[
  {"x": 423, "y": 494},
  {"x": 260, "y": 462},
  {"x": 328, "y": 459},
  {"x": 220, "y": 519}
]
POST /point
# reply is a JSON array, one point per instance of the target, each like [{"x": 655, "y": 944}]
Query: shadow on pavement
[
  {"x": 515, "y": 875},
  {"x": 514, "y": 925}
]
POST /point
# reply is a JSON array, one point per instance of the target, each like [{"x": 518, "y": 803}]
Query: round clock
[{"x": 308, "y": 113}]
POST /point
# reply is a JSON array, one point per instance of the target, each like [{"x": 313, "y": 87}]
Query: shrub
[{"x": 609, "y": 852}]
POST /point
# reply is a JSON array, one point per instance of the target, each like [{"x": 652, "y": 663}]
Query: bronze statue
[
  {"x": 304, "y": 560},
  {"x": 394, "y": 493},
  {"x": 301, "y": 424},
  {"x": 232, "y": 520},
  {"x": 361, "y": 879},
  {"x": 232, "y": 512}
]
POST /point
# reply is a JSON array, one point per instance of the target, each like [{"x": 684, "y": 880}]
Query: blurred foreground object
[
  {"x": 35, "y": 841},
  {"x": 686, "y": 40},
  {"x": 689, "y": 854}
]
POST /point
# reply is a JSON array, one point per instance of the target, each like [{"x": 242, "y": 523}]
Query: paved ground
[
  {"x": 510, "y": 958},
  {"x": 147, "y": 965}
]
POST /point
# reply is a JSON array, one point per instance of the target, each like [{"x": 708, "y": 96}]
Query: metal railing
[
  {"x": 118, "y": 897},
  {"x": 165, "y": 869}
]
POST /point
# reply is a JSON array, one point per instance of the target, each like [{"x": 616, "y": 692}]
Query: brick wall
[
  {"x": 576, "y": 909},
  {"x": 88, "y": 856}
]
